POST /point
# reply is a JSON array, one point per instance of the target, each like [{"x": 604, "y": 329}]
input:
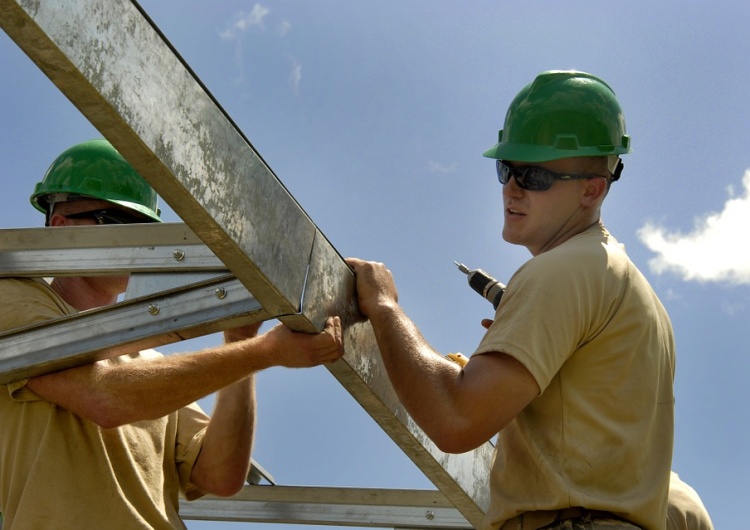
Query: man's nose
[{"x": 512, "y": 189}]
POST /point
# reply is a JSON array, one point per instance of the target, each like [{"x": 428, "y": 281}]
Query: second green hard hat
[{"x": 96, "y": 169}]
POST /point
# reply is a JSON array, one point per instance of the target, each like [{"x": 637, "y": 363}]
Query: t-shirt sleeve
[
  {"x": 192, "y": 422},
  {"x": 547, "y": 312},
  {"x": 191, "y": 429},
  {"x": 686, "y": 510},
  {"x": 18, "y": 391},
  {"x": 27, "y": 301}
]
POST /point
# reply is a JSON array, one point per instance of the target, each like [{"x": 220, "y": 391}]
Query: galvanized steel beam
[
  {"x": 164, "y": 318},
  {"x": 104, "y": 250},
  {"x": 416, "y": 509}
]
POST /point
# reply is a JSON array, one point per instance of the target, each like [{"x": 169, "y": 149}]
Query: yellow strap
[{"x": 458, "y": 358}]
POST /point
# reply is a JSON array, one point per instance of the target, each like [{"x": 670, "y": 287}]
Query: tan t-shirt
[
  {"x": 587, "y": 325},
  {"x": 686, "y": 510},
  {"x": 58, "y": 470}
]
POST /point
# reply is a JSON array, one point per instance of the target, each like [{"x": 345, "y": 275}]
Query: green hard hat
[
  {"x": 95, "y": 169},
  {"x": 562, "y": 114}
]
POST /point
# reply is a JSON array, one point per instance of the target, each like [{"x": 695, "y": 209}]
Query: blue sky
[{"x": 374, "y": 115}]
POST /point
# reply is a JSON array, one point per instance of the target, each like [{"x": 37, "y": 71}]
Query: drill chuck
[{"x": 484, "y": 284}]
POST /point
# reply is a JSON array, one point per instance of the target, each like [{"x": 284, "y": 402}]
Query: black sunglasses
[
  {"x": 109, "y": 217},
  {"x": 533, "y": 178}
]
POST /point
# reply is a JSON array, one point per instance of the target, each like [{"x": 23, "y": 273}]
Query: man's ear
[{"x": 594, "y": 191}]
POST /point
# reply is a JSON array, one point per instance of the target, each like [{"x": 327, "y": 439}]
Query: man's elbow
[
  {"x": 108, "y": 414},
  {"x": 457, "y": 445},
  {"x": 109, "y": 421},
  {"x": 226, "y": 487},
  {"x": 458, "y": 439}
]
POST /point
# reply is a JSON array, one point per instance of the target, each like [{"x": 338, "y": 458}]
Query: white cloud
[
  {"x": 255, "y": 18},
  {"x": 437, "y": 167},
  {"x": 285, "y": 27},
  {"x": 296, "y": 76},
  {"x": 716, "y": 249},
  {"x": 244, "y": 21}
]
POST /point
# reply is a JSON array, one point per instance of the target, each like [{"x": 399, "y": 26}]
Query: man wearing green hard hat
[
  {"x": 574, "y": 375},
  {"x": 95, "y": 170},
  {"x": 113, "y": 444}
]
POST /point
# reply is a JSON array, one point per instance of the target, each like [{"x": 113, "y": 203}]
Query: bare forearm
[
  {"x": 426, "y": 383},
  {"x": 113, "y": 395},
  {"x": 224, "y": 460},
  {"x": 459, "y": 409}
]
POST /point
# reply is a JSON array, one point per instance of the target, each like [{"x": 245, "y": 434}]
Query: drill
[{"x": 483, "y": 283}]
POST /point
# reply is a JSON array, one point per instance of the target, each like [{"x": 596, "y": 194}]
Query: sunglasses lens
[
  {"x": 115, "y": 218},
  {"x": 108, "y": 217},
  {"x": 535, "y": 179},
  {"x": 504, "y": 172},
  {"x": 527, "y": 178}
]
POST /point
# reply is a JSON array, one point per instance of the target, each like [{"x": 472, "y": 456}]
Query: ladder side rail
[
  {"x": 361, "y": 507},
  {"x": 104, "y": 250},
  {"x": 138, "y": 324}
]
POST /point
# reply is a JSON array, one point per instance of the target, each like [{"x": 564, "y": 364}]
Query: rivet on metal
[
  {"x": 221, "y": 293},
  {"x": 153, "y": 309},
  {"x": 178, "y": 255},
  {"x": 429, "y": 515}
]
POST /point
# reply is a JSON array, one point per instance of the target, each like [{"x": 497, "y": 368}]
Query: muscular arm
[
  {"x": 459, "y": 409},
  {"x": 116, "y": 394},
  {"x": 224, "y": 461}
]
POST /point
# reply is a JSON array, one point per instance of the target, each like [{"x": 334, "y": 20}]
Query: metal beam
[
  {"x": 125, "y": 327},
  {"x": 115, "y": 68},
  {"x": 104, "y": 250},
  {"x": 416, "y": 509}
]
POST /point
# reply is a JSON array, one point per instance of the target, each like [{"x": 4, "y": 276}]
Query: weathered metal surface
[
  {"x": 114, "y": 66},
  {"x": 332, "y": 506},
  {"x": 126, "y": 235},
  {"x": 129, "y": 326},
  {"x": 330, "y": 286},
  {"x": 104, "y": 250},
  {"x": 106, "y": 57},
  {"x": 70, "y": 341}
]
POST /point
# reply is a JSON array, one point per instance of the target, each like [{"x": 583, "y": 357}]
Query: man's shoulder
[
  {"x": 587, "y": 249},
  {"x": 589, "y": 261},
  {"x": 28, "y": 301},
  {"x": 686, "y": 509},
  {"x": 592, "y": 247},
  {"x": 12, "y": 285}
]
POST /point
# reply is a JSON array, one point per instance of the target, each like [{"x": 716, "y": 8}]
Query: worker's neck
[{"x": 81, "y": 292}]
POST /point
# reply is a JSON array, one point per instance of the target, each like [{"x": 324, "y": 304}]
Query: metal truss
[{"x": 243, "y": 233}]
